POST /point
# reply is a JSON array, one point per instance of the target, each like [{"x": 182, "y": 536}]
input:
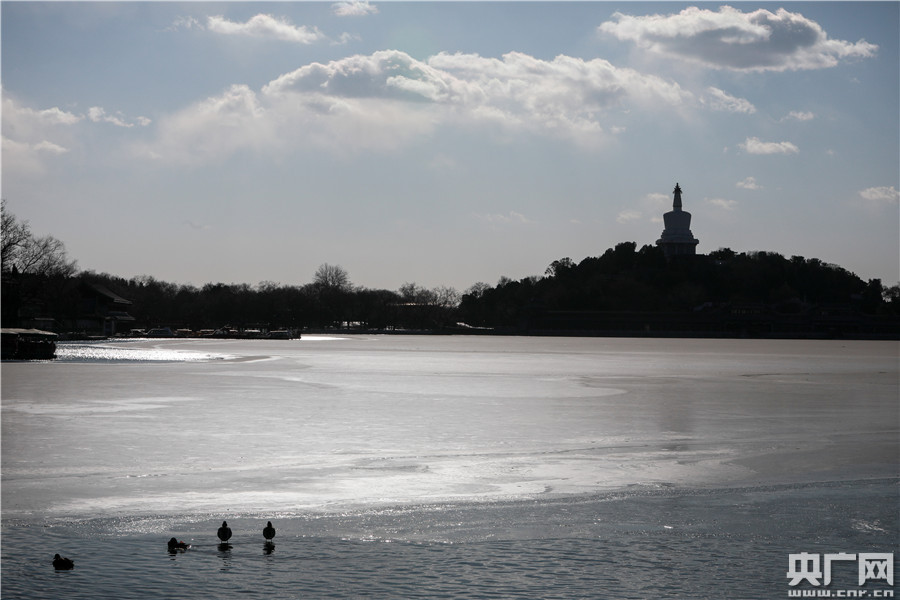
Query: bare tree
[
  {"x": 45, "y": 256},
  {"x": 13, "y": 237},
  {"x": 27, "y": 254},
  {"x": 447, "y": 297},
  {"x": 442, "y": 296},
  {"x": 477, "y": 290},
  {"x": 413, "y": 293},
  {"x": 332, "y": 278}
]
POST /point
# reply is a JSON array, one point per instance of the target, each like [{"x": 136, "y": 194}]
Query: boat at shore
[{"x": 28, "y": 344}]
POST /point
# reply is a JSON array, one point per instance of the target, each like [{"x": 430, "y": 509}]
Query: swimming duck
[
  {"x": 174, "y": 544},
  {"x": 269, "y": 531},
  {"x": 61, "y": 564},
  {"x": 224, "y": 532}
]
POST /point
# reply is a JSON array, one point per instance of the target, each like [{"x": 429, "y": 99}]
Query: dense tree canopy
[{"x": 625, "y": 279}]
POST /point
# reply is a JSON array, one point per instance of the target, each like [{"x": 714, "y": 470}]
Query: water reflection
[
  {"x": 268, "y": 547},
  {"x": 225, "y": 555}
]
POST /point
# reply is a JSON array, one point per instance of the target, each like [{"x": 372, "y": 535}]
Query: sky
[{"x": 447, "y": 143}]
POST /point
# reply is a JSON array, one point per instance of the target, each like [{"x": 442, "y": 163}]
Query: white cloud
[
  {"x": 748, "y": 183},
  {"x": 346, "y": 38},
  {"x": 722, "y": 203},
  {"x": 27, "y": 158},
  {"x": 511, "y": 218},
  {"x": 30, "y": 136},
  {"x": 387, "y": 74},
  {"x": 49, "y": 148},
  {"x": 387, "y": 99},
  {"x": 55, "y": 116},
  {"x": 98, "y": 115},
  {"x": 185, "y": 23},
  {"x": 625, "y": 216},
  {"x": 720, "y": 100},
  {"x": 796, "y": 115},
  {"x": 213, "y": 129},
  {"x": 266, "y": 26},
  {"x": 653, "y": 204},
  {"x": 20, "y": 157},
  {"x": 755, "y": 146},
  {"x": 354, "y": 8},
  {"x": 730, "y": 39},
  {"x": 881, "y": 195},
  {"x": 23, "y": 118},
  {"x": 564, "y": 97},
  {"x": 596, "y": 83}
]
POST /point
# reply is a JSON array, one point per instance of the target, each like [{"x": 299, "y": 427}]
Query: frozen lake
[{"x": 546, "y": 449}]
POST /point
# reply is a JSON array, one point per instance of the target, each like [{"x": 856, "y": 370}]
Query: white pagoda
[{"x": 677, "y": 239}]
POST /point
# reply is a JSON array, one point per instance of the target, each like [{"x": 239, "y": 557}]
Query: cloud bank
[
  {"x": 730, "y": 39},
  {"x": 388, "y": 98}
]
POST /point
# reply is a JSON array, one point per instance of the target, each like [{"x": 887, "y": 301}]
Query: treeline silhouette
[
  {"x": 624, "y": 291},
  {"x": 271, "y": 306},
  {"x": 629, "y": 291}
]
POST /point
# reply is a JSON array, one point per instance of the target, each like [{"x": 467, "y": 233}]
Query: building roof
[{"x": 114, "y": 298}]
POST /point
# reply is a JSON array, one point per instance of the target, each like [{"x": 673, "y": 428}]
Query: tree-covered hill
[{"x": 629, "y": 291}]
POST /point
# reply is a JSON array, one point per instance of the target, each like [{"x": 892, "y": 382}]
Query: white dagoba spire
[{"x": 677, "y": 238}]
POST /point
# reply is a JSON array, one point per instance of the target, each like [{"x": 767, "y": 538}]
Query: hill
[{"x": 627, "y": 291}]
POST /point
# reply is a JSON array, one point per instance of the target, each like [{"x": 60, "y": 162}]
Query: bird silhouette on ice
[
  {"x": 268, "y": 531},
  {"x": 224, "y": 532},
  {"x": 62, "y": 564}
]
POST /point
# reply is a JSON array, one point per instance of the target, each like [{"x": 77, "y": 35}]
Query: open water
[{"x": 448, "y": 467}]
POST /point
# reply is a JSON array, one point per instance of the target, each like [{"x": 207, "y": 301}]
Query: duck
[
  {"x": 62, "y": 564},
  {"x": 268, "y": 531},
  {"x": 174, "y": 545},
  {"x": 224, "y": 532}
]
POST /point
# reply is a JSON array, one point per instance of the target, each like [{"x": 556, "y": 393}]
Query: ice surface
[
  {"x": 200, "y": 426},
  {"x": 446, "y": 467}
]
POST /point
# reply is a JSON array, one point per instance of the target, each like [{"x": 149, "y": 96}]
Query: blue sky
[{"x": 447, "y": 143}]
